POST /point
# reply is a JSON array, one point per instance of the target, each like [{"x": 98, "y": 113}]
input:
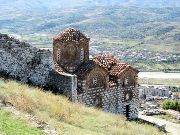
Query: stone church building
[{"x": 103, "y": 81}]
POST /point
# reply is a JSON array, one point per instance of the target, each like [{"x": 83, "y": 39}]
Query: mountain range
[
  {"x": 122, "y": 25},
  {"x": 50, "y": 4}
]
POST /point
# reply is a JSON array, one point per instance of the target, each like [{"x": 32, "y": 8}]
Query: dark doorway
[
  {"x": 98, "y": 102},
  {"x": 127, "y": 111}
]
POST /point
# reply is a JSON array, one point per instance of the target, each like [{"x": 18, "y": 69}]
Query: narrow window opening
[
  {"x": 95, "y": 81},
  {"x": 58, "y": 55},
  {"x": 82, "y": 55}
]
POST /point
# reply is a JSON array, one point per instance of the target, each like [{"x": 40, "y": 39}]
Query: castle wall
[
  {"x": 28, "y": 64},
  {"x": 64, "y": 83},
  {"x": 113, "y": 100},
  {"x": 23, "y": 62}
]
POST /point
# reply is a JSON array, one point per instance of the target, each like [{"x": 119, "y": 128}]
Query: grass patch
[
  {"x": 66, "y": 117},
  {"x": 14, "y": 126}
]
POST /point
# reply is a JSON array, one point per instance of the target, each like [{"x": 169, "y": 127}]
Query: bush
[{"x": 171, "y": 104}]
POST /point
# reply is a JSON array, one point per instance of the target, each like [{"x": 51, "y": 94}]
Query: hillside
[
  {"x": 48, "y": 4},
  {"x": 66, "y": 117},
  {"x": 13, "y": 125},
  {"x": 146, "y": 37}
]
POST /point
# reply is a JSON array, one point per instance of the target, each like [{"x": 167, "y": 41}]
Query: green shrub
[{"x": 171, "y": 104}]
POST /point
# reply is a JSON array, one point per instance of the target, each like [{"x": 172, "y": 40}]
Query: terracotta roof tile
[
  {"x": 112, "y": 64},
  {"x": 105, "y": 61},
  {"x": 70, "y": 35}
]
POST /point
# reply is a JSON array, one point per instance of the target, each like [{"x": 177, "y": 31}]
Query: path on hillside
[
  {"x": 169, "y": 126},
  {"x": 33, "y": 120}
]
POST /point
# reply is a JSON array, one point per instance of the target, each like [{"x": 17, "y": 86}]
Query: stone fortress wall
[
  {"x": 66, "y": 84},
  {"x": 21, "y": 61}
]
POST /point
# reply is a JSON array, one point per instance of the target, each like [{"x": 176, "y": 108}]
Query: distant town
[{"x": 131, "y": 55}]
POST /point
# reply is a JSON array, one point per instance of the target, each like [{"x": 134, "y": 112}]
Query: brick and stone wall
[
  {"x": 112, "y": 100},
  {"x": 65, "y": 83}
]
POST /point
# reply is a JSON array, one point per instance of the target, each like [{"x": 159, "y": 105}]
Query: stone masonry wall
[
  {"x": 21, "y": 61},
  {"x": 64, "y": 83},
  {"x": 112, "y": 100}
]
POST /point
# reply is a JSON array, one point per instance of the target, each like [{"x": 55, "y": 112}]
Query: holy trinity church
[{"x": 103, "y": 81}]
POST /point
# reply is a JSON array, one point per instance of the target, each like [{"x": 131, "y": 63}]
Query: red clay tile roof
[
  {"x": 106, "y": 61},
  {"x": 177, "y": 95},
  {"x": 70, "y": 34},
  {"x": 112, "y": 64},
  {"x": 85, "y": 68},
  {"x": 118, "y": 69}
]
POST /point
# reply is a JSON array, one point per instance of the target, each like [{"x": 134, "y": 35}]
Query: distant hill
[
  {"x": 39, "y": 5},
  {"x": 117, "y": 26},
  {"x": 145, "y": 3},
  {"x": 50, "y": 4}
]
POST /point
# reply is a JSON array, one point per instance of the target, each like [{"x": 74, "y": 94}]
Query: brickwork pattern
[{"x": 113, "y": 100}]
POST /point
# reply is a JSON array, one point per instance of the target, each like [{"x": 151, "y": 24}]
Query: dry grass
[{"x": 66, "y": 117}]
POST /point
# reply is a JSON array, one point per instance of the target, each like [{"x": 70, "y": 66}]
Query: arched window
[
  {"x": 58, "y": 55},
  {"x": 82, "y": 55},
  {"x": 96, "y": 80},
  {"x": 98, "y": 102},
  {"x": 123, "y": 84},
  {"x": 126, "y": 81},
  {"x": 129, "y": 80}
]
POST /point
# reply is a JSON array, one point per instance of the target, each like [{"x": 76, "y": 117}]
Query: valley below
[
  {"x": 147, "y": 38},
  {"x": 159, "y": 75},
  {"x": 159, "y": 78}
]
